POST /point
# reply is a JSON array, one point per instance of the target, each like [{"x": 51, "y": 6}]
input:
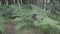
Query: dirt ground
[{"x": 9, "y": 27}]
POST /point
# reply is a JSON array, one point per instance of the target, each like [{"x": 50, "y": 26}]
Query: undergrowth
[{"x": 23, "y": 19}]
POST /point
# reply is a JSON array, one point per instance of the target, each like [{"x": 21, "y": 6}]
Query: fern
[{"x": 24, "y": 18}]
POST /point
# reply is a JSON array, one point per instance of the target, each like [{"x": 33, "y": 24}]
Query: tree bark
[
  {"x": 14, "y": 1},
  {"x": 0, "y": 2},
  {"x": 21, "y": 2},
  {"x": 34, "y": 1},
  {"x": 18, "y": 3},
  {"x": 6, "y": 1}
]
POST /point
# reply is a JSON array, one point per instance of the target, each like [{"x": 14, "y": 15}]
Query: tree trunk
[
  {"x": 26, "y": 2},
  {"x": 34, "y": 1},
  {"x": 14, "y": 1},
  {"x": 18, "y": 3},
  {"x": 6, "y": 1},
  {"x": 0, "y": 2},
  {"x": 21, "y": 2}
]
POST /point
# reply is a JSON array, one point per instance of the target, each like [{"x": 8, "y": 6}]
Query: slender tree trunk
[
  {"x": 21, "y": 2},
  {"x": 26, "y": 2},
  {"x": 14, "y": 1},
  {"x": 0, "y": 2},
  {"x": 18, "y": 3},
  {"x": 43, "y": 4},
  {"x": 58, "y": 2},
  {"x": 33, "y": 1},
  {"x": 6, "y": 1}
]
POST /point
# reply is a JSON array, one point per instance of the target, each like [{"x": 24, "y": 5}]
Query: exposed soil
[{"x": 9, "y": 27}]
